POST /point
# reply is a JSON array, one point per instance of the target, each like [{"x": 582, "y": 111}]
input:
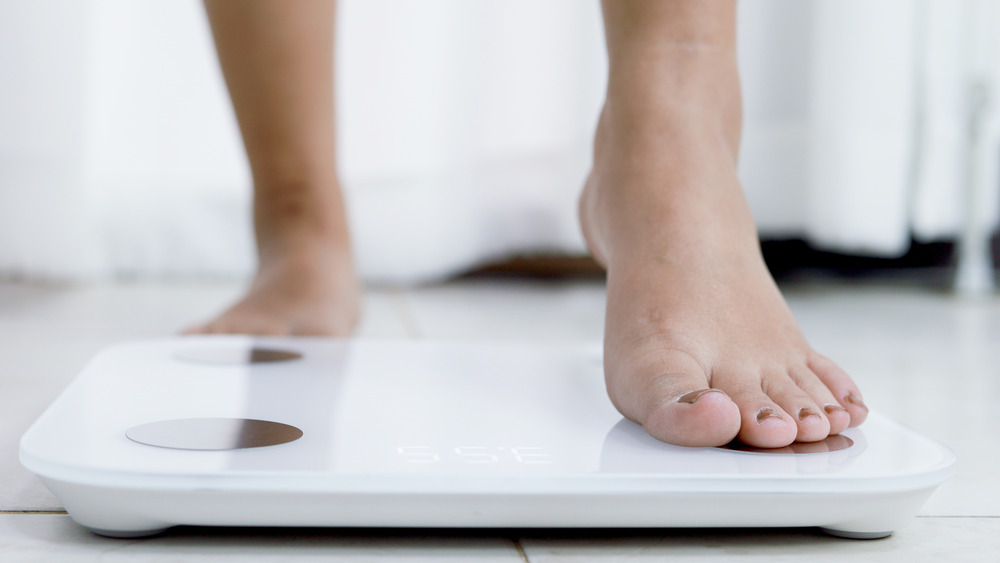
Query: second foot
[{"x": 303, "y": 294}]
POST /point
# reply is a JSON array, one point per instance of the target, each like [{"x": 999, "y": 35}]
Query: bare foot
[
  {"x": 700, "y": 346},
  {"x": 277, "y": 59},
  {"x": 305, "y": 293},
  {"x": 305, "y": 284}
]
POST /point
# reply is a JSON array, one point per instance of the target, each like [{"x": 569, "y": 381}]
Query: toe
[
  {"x": 212, "y": 327},
  {"x": 703, "y": 417},
  {"x": 838, "y": 416},
  {"x": 842, "y": 386},
  {"x": 765, "y": 424},
  {"x": 810, "y": 420},
  {"x": 195, "y": 330},
  {"x": 242, "y": 324},
  {"x": 674, "y": 403},
  {"x": 821, "y": 395}
]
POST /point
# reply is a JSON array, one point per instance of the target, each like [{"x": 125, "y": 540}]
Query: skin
[
  {"x": 691, "y": 305},
  {"x": 277, "y": 59},
  {"x": 700, "y": 346}
]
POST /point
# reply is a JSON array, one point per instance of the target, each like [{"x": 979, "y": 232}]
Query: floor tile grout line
[
  {"x": 404, "y": 313},
  {"x": 520, "y": 550},
  {"x": 956, "y": 516}
]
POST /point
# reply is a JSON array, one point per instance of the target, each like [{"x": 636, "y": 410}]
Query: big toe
[
  {"x": 675, "y": 404},
  {"x": 703, "y": 417}
]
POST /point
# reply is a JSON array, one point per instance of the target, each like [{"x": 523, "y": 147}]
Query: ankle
[
  {"x": 686, "y": 97},
  {"x": 302, "y": 250},
  {"x": 300, "y": 213},
  {"x": 669, "y": 184}
]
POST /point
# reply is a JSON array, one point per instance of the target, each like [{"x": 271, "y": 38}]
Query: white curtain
[{"x": 465, "y": 131}]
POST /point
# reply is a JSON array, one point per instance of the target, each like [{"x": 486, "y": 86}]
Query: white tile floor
[{"x": 923, "y": 357}]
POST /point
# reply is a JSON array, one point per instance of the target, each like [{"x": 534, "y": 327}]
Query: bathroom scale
[{"x": 242, "y": 431}]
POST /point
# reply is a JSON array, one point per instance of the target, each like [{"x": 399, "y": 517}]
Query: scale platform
[{"x": 240, "y": 431}]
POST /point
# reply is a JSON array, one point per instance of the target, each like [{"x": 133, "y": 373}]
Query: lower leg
[
  {"x": 691, "y": 306},
  {"x": 277, "y": 58}
]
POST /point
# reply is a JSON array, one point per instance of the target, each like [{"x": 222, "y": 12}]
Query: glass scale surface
[{"x": 240, "y": 431}]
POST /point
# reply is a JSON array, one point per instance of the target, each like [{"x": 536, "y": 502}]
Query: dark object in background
[
  {"x": 930, "y": 264},
  {"x": 790, "y": 261}
]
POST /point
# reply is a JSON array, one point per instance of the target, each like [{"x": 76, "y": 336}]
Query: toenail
[
  {"x": 831, "y": 408},
  {"x": 766, "y": 413},
  {"x": 805, "y": 412},
  {"x": 855, "y": 400},
  {"x": 693, "y": 396}
]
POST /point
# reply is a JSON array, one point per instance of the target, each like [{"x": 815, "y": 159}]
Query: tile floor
[{"x": 924, "y": 357}]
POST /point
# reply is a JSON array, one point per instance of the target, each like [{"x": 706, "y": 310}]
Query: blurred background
[{"x": 871, "y": 130}]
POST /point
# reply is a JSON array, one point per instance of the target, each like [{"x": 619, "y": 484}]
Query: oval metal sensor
[
  {"x": 208, "y": 434},
  {"x": 829, "y": 444},
  {"x": 236, "y": 356}
]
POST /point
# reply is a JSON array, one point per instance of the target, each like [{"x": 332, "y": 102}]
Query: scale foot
[
  {"x": 128, "y": 534},
  {"x": 852, "y": 535}
]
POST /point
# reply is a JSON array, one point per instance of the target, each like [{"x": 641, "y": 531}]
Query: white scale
[{"x": 239, "y": 431}]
